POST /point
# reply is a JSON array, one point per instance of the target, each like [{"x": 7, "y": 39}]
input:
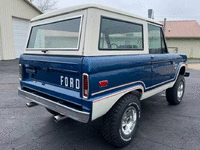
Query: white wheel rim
[
  {"x": 180, "y": 90},
  {"x": 129, "y": 120}
]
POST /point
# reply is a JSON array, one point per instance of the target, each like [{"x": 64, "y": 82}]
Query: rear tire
[
  {"x": 121, "y": 122},
  {"x": 52, "y": 112},
  {"x": 175, "y": 94}
]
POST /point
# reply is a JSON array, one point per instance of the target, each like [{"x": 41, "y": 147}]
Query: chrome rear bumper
[{"x": 62, "y": 109}]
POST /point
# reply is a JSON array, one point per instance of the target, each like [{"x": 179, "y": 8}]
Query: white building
[{"x": 14, "y": 24}]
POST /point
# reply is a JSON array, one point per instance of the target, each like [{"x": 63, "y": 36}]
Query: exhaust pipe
[
  {"x": 31, "y": 104},
  {"x": 59, "y": 118}
]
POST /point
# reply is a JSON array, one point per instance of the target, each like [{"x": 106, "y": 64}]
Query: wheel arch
[
  {"x": 107, "y": 103},
  {"x": 137, "y": 92},
  {"x": 182, "y": 70}
]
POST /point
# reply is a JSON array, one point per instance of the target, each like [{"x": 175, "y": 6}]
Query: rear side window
[
  {"x": 156, "y": 40},
  {"x": 120, "y": 35},
  {"x": 58, "y": 35}
]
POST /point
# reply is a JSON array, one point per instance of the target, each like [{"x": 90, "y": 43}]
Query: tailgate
[{"x": 56, "y": 76}]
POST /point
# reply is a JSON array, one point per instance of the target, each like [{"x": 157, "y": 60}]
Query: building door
[{"x": 20, "y": 32}]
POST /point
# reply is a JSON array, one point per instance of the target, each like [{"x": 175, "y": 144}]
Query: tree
[{"x": 45, "y": 5}]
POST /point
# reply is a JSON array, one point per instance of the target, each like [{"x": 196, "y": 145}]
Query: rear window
[
  {"x": 57, "y": 35},
  {"x": 120, "y": 35}
]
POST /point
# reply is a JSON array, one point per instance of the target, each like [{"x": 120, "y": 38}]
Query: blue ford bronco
[{"x": 93, "y": 61}]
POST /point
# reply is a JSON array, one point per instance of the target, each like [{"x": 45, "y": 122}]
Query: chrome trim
[
  {"x": 58, "y": 49},
  {"x": 50, "y": 49},
  {"x": 59, "y": 118},
  {"x": 65, "y": 70},
  {"x": 31, "y": 104},
  {"x": 20, "y": 72},
  {"x": 62, "y": 109},
  {"x": 140, "y": 82},
  {"x": 68, "y": 63},
  {"x": 128, "y": 121},
  {"x": 85, "y": 74}
]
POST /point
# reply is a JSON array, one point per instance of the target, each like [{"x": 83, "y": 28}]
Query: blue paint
[
  {"x": 55, "y": 91},
  {"x": 47, "y": 77},
  {"x": 43, "y": 73}
]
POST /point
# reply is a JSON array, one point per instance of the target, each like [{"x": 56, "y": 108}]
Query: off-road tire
[
  {"x": 52, "y": 112},
  {"x": 172, "y": 93},
  {"x": 112, "y": 122}
]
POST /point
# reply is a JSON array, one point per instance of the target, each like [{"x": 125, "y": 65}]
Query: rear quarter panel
[{"x": 123, "y": 73}]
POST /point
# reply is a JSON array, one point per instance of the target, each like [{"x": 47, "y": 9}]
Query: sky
[{"x": 170, "y": 9}]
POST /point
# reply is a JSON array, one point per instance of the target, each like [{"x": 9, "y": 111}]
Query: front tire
[
  {"x": 175, "y": 94},
  {"x": 121, "y": 122}
]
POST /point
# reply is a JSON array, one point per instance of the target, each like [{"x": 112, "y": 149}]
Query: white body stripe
[
  {"x": 103, "y": 105},
  {"x": 156, "y": 90}
]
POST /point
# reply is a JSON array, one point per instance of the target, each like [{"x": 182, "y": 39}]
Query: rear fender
[{"x": 102, "y": 105}]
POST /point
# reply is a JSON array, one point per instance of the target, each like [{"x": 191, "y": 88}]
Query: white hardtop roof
[{"x": 86, "y": 6}]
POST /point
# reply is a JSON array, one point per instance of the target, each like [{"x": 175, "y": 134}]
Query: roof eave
[{"x": 33, "y": 6}]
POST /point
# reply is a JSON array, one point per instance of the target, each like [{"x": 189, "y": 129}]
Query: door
[
  {"x": 20, "y": 32},
  {"x": 162, "y": 62}
]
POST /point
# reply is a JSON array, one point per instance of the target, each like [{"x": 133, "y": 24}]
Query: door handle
[
  {"x": 152, "y": 57},
  {"x": 30, "y": 71}
]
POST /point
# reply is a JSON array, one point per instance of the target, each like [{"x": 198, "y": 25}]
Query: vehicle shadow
[{"x": 71, "y": 134}]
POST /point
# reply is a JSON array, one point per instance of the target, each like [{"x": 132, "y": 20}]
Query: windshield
[{"x": 58, "y": 35}]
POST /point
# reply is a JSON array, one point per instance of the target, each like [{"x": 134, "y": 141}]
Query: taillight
[
  {"x": 20, "y": 72},
  {"x": 85, "y": 85}
]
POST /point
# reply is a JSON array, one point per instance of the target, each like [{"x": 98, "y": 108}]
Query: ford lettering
[{"x": 70, "y": 82}]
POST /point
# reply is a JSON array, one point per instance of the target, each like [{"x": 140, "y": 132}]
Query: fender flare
[
  {"x": 107, "y": 102},
  {"x": 181, "y": 70}
]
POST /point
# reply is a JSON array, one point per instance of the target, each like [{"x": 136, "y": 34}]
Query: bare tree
[{"x": 45, "y": 5}]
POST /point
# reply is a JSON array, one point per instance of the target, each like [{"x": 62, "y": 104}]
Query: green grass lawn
[{"x": 193, "y": 58}]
